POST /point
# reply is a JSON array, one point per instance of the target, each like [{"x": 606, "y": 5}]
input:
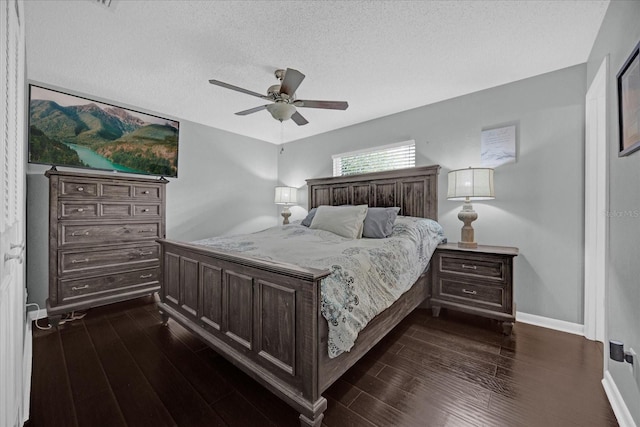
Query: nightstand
[{"x": 477, "y": 281}]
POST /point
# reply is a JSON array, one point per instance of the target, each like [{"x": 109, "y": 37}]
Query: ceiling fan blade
[
  {"x": 331, "y": 105},
  {"x": 236, "y": 88},
  {"x": 297, "y": 117},
  {"x": 251, "y": 110},
  {"x": 291, "y": 81}
]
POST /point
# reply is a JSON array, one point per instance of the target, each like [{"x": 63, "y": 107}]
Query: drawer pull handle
[
  {"x": 467, "y": 291},
  {"x": 470, "y": 267},
  {"x": 80, "y": 209},
  {"x": 145, "y": 253},
  {"x": 80, "y": 188},
  {"x": 151, "y": 230},
  {"x": 79, "y": 288},
  {"x": 80, "y": 233},
  {"x": 146, "y": 276},
  {"x": 78, "y": 261}
]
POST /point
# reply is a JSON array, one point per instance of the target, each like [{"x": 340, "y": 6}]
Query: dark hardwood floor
[{"x": 120, "y": 367}]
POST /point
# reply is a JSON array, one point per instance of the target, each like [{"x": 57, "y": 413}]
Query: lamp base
[
  {"x": 467, "y": 215},
  {"x": 467, "y": 245},
  {"x": 285, "y": 214}
]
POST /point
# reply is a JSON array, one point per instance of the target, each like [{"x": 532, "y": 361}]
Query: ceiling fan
[{"x": 283, "y": 98}]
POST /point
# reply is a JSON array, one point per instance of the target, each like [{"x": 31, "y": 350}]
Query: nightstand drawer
[
  {"x": 481, "y": 267},
  {"x": 471, "y": 293}
]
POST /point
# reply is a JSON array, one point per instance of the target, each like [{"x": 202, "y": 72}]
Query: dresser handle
[
  {"x": 79, "y": 288},
  {"x": 145, "y": 253},
  {"x": 151, "y": 230},
  {"x": 466, "y": 291},
  {"x": 80, "y": 209},
  {"x": 470, "y": 267},
  {"x": 80, "y": 188},
  {"x": 78, "y": 261},
  {"x": 80, "y": 233},
  {"x": 146, "y": 276}
]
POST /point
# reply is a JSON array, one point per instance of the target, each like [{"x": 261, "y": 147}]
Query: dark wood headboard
[{"x": 414, "y": 190}]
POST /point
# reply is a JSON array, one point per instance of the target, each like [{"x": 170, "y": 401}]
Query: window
[{"x": 392, "y": 156}]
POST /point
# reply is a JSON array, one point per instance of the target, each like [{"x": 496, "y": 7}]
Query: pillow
[
  {"x": 345, "y": 221},
  {"x": 378, "y": 224},
  {"x": 307, "y": 221}
]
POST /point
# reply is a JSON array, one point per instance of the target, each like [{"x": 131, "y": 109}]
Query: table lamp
[
  {"x": 286, "y": 196},
  {"x": 470, "y": 184}
]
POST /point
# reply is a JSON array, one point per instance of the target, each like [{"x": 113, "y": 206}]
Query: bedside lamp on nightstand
[
  {"x": 286, "y": 196},
  {"x": 470, "y": 184}
]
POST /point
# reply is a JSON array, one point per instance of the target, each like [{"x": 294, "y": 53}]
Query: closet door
[{"x": 14, "y": 378}]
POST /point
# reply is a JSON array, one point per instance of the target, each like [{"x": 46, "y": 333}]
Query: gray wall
[
  {"x": 617, "y": 37},
  {"x": 224, "y": 186},
  {"x": 539, "y": 200}
]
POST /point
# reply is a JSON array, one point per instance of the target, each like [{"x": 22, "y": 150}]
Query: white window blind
[{"x": 393, "y": 156}]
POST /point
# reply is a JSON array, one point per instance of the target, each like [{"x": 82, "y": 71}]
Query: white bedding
[{"x": 367, "y": 275}]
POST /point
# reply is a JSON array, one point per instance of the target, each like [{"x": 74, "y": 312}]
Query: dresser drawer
[
  {"x": 474, "y": 294},
  {"x": 78, "y": 210},
  {"x": 141, "y": 210},
  {"x": 116, "y": 191},
  {"x": 144, "y": 192},
  {"x": 476, "y": 266},
  {"x": 100, "y": 285},
  {"x": 107, "y": 233},
  {"x": 87, "y": 260},
  {"x": 78, "y": 188}
]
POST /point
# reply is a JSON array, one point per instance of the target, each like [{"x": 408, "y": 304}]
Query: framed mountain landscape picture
[{"x": 77, "y": 131}]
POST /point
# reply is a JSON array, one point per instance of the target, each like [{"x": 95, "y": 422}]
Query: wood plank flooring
[{"x": 120, "y": 367}]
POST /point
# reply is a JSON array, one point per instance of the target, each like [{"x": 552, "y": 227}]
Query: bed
[{"x": 265, "y": 315}]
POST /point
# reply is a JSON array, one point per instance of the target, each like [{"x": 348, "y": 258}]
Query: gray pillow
[
  {"x": 378, "y": 224},
  {"x": 307, "y": 221}
]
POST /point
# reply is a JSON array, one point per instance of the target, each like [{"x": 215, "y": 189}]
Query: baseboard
[
  {"x": 547, "y": 322},
  {"x": 27, "y": 360},
  {"x": 623, "y": 415},
  {"x": 33, "y": 315}
]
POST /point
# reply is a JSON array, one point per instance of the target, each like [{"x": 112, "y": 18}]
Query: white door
[
  {"x": 13, "y": 338},
  {"x": 595, "y": 215}
]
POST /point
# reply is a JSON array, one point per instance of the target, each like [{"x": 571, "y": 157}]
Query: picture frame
[{"x": 628, "y": 80}]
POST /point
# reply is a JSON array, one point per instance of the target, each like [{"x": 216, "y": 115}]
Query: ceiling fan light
[{"x": 281, "y": 111}]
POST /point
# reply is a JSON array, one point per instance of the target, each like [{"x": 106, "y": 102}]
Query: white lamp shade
[
  {"x": 472, "y": 183},
  {"x": 286, "y": 196}
]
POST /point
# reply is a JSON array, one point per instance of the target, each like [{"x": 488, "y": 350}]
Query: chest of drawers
[
  {"x": 102, "y": 232},
  {"x": 477, "y": 281}
]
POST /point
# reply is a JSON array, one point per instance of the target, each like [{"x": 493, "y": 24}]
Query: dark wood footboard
[{"x": 262, "y": 316}]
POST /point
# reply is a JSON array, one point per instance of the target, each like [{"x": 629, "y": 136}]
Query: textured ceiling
[{"x": 382, "y": 57}]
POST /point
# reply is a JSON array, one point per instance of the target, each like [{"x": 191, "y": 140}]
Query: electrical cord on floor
[
  {"x": 36, "y": 320},
  {"x": 71, "y": 317},
  {"x": 68, "y": 318}
]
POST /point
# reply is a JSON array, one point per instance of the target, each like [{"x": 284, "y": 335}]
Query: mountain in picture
[{"x": 73, "y": 131}]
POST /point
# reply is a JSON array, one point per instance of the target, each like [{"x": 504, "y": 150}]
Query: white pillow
[{"x": 345, "y": 221}]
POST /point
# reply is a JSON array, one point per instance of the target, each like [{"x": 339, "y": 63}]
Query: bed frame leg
[{"x": 316, "y": 422}]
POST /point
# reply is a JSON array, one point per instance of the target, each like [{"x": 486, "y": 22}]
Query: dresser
[
  {"x": 102, "y": 239},
  {"x": 477, "y": 281}
]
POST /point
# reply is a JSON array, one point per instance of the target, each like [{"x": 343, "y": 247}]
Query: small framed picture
[{"x": 629, "y": 103}]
